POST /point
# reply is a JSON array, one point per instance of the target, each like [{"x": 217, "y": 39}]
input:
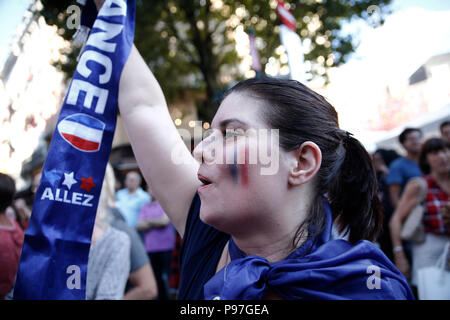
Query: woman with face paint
[{"x": 256, "y": 201}]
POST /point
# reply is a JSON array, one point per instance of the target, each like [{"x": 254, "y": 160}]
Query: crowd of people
[
  {"x": 135, "y": 247},
  {"x": 421, "y": 177}
]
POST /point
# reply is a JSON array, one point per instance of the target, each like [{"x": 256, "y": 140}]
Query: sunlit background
[{"x": 399, "y": 76}]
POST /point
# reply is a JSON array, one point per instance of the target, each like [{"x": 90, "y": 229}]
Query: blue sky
[{"x": 11, "y": 13}]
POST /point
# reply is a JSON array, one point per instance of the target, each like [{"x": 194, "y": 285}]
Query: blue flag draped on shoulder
[{"x": 53, "y": 264}]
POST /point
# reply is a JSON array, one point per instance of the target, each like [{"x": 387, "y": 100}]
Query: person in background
[
  {"x": 435, "y": 163},
  {"x": 159, "y": 240},
  {"x": 141, "y": 283},
  {"x": 132, "y": 198},
  {"x": 445, "y": 130},
  {"x": 24, "y": 199},
  {"x": 109, "y": 258},
  {"x": 382, "y": 158},
  {"x": 405, "y": 168},
  {"x": 11, "y": 237}
]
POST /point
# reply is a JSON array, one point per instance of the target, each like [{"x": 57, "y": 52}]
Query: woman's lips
[
  {"x": 203, "y": 179},
  {"x": 206, "y": 182}
]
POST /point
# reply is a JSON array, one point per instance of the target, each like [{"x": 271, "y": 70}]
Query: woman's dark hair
[
  {"x": 431, "y": 145},
  {"x": 346, "y": 176},
  {"x": 7, "y": 190}
]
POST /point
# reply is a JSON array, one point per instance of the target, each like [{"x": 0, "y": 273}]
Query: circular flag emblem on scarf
[{"x": 82, "y": 131}]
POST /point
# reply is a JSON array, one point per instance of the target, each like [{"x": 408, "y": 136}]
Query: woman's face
[
  {"x": 243, "y": 166},
  {"x": 439, "y": 161}
]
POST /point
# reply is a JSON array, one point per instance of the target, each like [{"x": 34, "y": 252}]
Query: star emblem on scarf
[
  {"x": 69, "y": 180},
  {"x": 87, "y": 184}
]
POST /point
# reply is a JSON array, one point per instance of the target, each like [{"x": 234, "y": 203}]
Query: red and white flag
[
  {"x": 292, "y": 42},
  {"x": 286, "y": 16}
]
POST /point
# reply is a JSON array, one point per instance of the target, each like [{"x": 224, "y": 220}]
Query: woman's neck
[
  {"x": 412, "y": 156},
  {"x": 275, "y": 237},
  {"x": 273, "y": 248},
  {"x": 442, "y": 179}
]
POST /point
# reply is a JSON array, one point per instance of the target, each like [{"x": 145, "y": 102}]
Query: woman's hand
[{"x": 401, "y": 262}]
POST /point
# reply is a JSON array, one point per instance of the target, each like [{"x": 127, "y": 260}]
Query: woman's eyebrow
[{"x": 226, "y": 122}]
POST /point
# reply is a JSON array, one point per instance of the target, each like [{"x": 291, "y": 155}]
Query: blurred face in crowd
[
  {"x": 132, "y": 181},
  {"x": 378, "y": 162},
  {"x": 413, "y": 142},
  {"x": 439, "y": 161},
  {"x": 445, "y": 133}
]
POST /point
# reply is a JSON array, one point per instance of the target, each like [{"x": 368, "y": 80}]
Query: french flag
[{"x": 82, "y": 131}]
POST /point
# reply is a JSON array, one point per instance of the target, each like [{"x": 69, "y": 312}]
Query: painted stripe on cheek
[
  {"x": 233, "y": 167},
  {"x": 244, "y": 166}
]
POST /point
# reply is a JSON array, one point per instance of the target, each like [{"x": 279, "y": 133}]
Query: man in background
[
  {"x": 131, "y": 199},
  {"x": 405, "y": 168},
  {"x": 445, "y": 130}
]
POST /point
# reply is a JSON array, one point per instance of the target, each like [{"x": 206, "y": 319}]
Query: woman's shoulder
[
  {"x": 115, "y": 239},
  {"x": 363, "y": 265},
  {"x": 116, "y": 235},
  {"x": 415, "y": 185}
]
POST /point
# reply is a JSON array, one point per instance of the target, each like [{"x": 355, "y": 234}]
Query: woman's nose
[{"x": 204, "y": 152}]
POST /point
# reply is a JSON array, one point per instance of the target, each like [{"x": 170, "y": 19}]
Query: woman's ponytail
[{"x": 353, "y": 194}]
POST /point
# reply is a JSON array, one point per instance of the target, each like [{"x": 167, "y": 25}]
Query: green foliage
[{"x": 190, "y": 44}]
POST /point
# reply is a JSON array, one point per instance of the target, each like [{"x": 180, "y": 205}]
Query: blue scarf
[
  {"x": 53, "y": 264},
  {"x": 319, "y": 269}
]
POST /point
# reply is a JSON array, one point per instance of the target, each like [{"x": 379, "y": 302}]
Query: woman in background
[
  {"x": 434, "y": 161},
  {"x": 109, "y": 257}
]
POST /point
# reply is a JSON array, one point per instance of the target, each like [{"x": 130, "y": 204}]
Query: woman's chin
[{"x": 210, "y": 217}]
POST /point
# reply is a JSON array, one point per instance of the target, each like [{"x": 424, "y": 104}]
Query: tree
[{"x": 191, "y": 44}]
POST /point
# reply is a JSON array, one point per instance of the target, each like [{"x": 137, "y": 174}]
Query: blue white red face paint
[
  {"x": 239, "y": 168},
  {"x": 235, "y": 150}
]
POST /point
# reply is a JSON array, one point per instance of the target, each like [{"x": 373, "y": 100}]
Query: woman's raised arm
[{"x": 154, "y": 139}]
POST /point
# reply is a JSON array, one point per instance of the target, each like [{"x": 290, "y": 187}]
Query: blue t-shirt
[
  {"x": 401, "y": 171},
  {"x": 130, "y": 205},
  {"x": 330, "y": 264},
  {"x": 200, "y": 252}
]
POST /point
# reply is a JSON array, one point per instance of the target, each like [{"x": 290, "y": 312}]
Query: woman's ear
[{"x": 306, "y": 161}]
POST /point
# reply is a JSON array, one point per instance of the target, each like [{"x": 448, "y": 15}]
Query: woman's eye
[{"x": 230, "y": 133}]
